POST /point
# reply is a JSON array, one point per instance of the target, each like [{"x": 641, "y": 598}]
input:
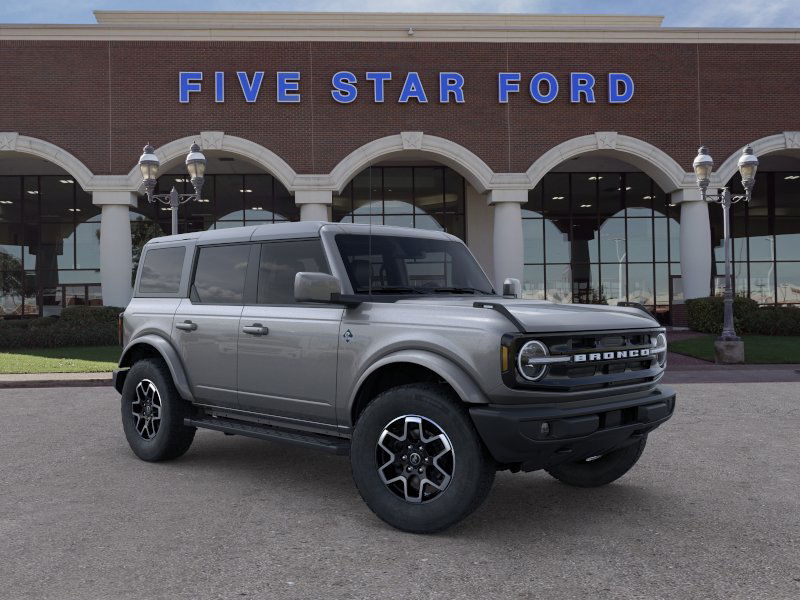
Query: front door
[
  {"x": 206, "y": 325},
  {"x": 288, "y": 351}
]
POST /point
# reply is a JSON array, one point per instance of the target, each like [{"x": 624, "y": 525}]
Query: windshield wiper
[
  {"x": 460, "y": 290},
  {"x": 390, "y": 289}
]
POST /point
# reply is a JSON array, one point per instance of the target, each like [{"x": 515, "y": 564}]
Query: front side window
[
  {"x": 397, "y": 265},
  {"x": 280, "y": 262},
  {"x": 220, "y": 274},
  {"x": 161, "y": 271}
]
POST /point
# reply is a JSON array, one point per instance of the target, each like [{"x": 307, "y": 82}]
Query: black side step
[{"x": 326, "y": 443}]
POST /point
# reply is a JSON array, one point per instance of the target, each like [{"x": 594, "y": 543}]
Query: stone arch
[
  {"x": 661, "y": 167},
  {"x": 787, "y": 142},
  {"x": 11, "y": 141},
  {"x": 231, "y": 144},
  {"x": 411, "y": 143}
]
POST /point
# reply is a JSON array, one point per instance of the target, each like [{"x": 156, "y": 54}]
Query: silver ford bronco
[{"x": 390, "y": 345}]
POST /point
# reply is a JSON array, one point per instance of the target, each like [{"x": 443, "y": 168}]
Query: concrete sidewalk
[{"x": 45, "y": 380}]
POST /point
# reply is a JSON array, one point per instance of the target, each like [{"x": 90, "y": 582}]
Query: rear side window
[
  {"x": 161, "y": 271},
  {"x": 280, "y": 262},
  {"x": 220, "y": 274}
]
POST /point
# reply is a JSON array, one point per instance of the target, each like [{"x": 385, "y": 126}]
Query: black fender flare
[{"x": 168, "y": 354}]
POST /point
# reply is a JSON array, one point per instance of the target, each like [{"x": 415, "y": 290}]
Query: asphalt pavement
[{"x": 711, "y": 511}]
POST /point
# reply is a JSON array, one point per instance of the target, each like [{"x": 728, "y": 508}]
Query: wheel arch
[
  {"x": 157, "y": 347},
  {"x": 411, "y": 366}
]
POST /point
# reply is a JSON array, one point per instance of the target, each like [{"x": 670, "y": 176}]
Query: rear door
[
  {"x": 206, "y": 325},
  {"x": 288, "y": 351}
]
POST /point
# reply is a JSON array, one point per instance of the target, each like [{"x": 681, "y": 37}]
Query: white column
[
  {"x": 314, "y": 204},
  {"x": 695, "y": 243},
  {"x": 116, "y": 263},
  {"x": 507, "y": 243}
]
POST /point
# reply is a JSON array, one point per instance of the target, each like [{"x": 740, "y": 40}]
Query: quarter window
[
  {"x": 280, "y": 262},
  {"x": 220, "y": 274},
  {"x": 161, "y": 271}
]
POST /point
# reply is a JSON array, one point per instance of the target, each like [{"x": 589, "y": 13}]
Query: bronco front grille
[{"x": 603, "y": 360}]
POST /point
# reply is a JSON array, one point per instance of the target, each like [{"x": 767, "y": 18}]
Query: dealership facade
[{"x": 558, "y": 147}]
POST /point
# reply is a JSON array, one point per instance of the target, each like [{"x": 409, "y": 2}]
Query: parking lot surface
[{"x": 711, "y": 511}]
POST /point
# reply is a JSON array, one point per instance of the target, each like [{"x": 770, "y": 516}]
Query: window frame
[
  {"x": 193, "y": 274},
  {"x": 253, "y": 278},
  {"x": 138, "y": 293}
]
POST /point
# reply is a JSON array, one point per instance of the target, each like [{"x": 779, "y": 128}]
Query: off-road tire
[
  {"x": 473, "y": 469},
  {"x": 172, "y": 438},
  {"x": 601, "y": 471}
]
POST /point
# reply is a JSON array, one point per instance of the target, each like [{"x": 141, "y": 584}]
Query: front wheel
[
  {"x": 417, "y": 460},
  {"x": 599, "y": 470},
  {"x": 153, "y": 413}
]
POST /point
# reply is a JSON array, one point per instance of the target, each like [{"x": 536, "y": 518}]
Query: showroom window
[
  {"x": 228, "y": 201},
  {"x": 601, "y": 238},
  {"x": 765, "y": 240},
  {"x": 419, "y": 197},
  {"x": 49, "y": 246}
]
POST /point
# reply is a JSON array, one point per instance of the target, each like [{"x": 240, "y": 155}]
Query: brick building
[{"x": 558, "y": 147}]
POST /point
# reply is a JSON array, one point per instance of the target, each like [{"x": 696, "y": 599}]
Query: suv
[{"x": 390, "y": 345}]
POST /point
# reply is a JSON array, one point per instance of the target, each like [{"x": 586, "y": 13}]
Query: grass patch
[
  {"x": 89, "y": 359},
  {"x": 758, "y": 349}
]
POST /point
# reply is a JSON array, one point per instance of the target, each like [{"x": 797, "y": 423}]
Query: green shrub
[
  {"x": 706, "y": 316},
  {"x": 91, "y": 314},
  {"x": 781, "y": 320},
  {"x": 77, "y": 326}
]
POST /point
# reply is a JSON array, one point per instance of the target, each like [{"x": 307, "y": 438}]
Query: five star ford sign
[{"x": 543, "y": 87}]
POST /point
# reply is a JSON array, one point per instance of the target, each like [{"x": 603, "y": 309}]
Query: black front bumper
[{"x": 536, "y": 437}]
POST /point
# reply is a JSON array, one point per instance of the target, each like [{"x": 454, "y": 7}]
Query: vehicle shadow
[{"x": 519, "y": 505}]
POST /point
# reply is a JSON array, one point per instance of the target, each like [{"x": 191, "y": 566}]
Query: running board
[{"x": 326, "y": 443}]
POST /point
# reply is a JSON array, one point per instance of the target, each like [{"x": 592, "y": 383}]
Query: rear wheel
[
  {"x": 599, "y": 470},
  {"x": 417, "y": 460},
  {"x": 153, "y": 413}
]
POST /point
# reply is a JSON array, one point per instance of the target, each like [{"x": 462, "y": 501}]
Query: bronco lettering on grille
[{"x": 619, "y": 354}]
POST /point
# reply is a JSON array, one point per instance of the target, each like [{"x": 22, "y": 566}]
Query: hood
[{"x": 540, "y": 316}]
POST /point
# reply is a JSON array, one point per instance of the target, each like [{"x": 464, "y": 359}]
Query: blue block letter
[
  {"x": 615, "y": 96},
  {"x": 412, "y": 88},
  {"x": 581, "y": 83},
  {"x": 507, "y": 83},
  {"x": 344, "y": 91},
  {"x": 378, "y": 77},
  {"x": 288, "y": 86},
  {"x": 536, "y": 88},
  {"x": 451, "y": 83},
  {"x": 188, "y": 81},
  {"x": 219, "y": 86},
  {"x": 250, "y": 90}
]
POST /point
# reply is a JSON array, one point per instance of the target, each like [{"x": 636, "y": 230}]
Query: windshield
[{"x": 386, "y": 264}]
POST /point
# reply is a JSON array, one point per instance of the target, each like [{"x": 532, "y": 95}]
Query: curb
[{"x": 54, "y": 380}]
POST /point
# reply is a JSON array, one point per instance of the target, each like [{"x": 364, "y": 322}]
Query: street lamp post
[
  {"x": 703, "y": 165},
  {"x": 195, "y": 164}
]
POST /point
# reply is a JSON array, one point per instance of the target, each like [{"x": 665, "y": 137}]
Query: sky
[{"x": 678, "y": 13}]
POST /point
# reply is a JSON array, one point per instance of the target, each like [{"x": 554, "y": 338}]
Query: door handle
[
  {"x": 255, "y": 329},
  {"x": 186, "y": 326}
]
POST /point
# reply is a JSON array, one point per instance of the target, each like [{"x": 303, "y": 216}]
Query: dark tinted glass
[
  {"x": 397, "y": 264},
  {"x": 280, "y": 262},
  {"x": 220, "y": 273},
  {"x": 161, "y": 271}
]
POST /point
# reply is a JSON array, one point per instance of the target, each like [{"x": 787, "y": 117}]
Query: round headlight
[
  {"x": 526, "y": 360},
  {"x": 660, "y": 349}
]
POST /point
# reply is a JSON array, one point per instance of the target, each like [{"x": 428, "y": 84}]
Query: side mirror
[
  {"x": 315, "y": 287},
  {"x": 512, "y": 287}
]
